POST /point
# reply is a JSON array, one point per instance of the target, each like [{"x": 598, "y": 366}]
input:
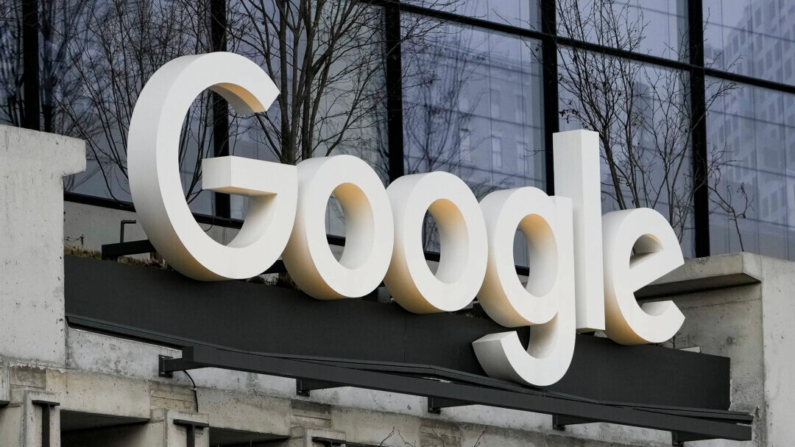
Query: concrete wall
[
  {"x": 753, "y": 325},
  {"x": 32, "y": 165}
]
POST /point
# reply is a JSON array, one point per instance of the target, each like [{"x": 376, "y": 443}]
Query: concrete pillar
[
  {"x": 778, "y": 341},
  {"x": 750, "y": 321},
  {"x": 21, "y": 423},
  {"x": 32, "y": 166}
]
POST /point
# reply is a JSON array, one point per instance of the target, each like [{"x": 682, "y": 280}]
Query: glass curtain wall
[
  {"x": 752, "y": 196},
  {"x": 471, "y": 107},
  {"x": 470, "y": 81}
]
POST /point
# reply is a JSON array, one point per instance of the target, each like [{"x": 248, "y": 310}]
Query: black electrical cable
[{"x": 195, "y": 393}]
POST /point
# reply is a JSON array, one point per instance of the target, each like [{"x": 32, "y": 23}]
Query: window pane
[
  {"x": 751, "y": 37},
  {"x": 11, "y": 96},
  {"x": 751, "y": 135},
  {"x": 656, "y": 27},
  {"x": 473, "y": 107},
  {"x": 519, "y": 13},
  {"x": 641, "y": 113},
  {"x": 95, "y": 57},
  {"x": 344, "y": 96}
]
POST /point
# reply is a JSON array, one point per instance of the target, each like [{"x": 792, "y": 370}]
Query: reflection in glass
[
  {"x": 473, "y": 107},
  {"x": 753, "y": 201},
  {"x": 518, "y": 13},
  {"x": 96, "y": 56},
  {"x": 11, "y": 96},
  {"x": 332, "y": 87},
  {"x": 655, "y": 27},
  {"x": 751, "y": 37},
  {"x": 645, "y": 127}
]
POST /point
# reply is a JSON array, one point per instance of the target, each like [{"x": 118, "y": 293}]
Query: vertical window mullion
[
  {"x": 219, "y": 104},
  {"x": 394, "y": 90},
  {"x": 30, "y": 63},
  {"x": 549, "y": 56},
  {"x": 695, "y": 17}
]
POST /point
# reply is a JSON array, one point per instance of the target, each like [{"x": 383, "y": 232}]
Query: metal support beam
[
  {"x": 190, "y": 427},
  {"x": 678, "y": 439},
  {"x": 436, "y": 404},
  {"x": 115, "y": 251},
  {"x": 559, "y": 422},
  {"x": 196, "y": 357},
  {"x": 46, "y": 408},
  {"x": 123, "y": 224},
  {"x": 304, "y": 386},
  {"x": 161, "y": 367}
]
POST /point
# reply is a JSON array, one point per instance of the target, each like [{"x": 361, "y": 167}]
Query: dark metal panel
[
  {"x": 167, "y": 308},
  {"x": 605, "y": 370}
]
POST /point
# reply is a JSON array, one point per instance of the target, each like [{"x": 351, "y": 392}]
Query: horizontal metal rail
[
  {"x": 683, "y": 423},
  {"x": 115, "y": 251}
]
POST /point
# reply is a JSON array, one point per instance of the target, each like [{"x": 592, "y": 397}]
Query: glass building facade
[{"x": 694, "y": 99}]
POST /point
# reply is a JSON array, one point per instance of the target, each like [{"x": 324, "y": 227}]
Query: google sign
[{"x": 585, "y": 267}]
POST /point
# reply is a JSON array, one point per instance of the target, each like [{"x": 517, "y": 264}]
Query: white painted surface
[
  {"x": 156, "y": 187},
  {"x": 32, "y": 165},
  {"x": 369, "y": 229},
  {"x": 639, "y": 247},
  {"x": 577, "y": 176},
  {"x": 462, "y": 234},
  {"x": 548, "y": 301}
]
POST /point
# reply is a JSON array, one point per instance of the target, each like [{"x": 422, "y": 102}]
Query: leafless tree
[
  {"x": 724, "y": 199},
  {"x": 11, "y": 99},
  {"x": 327, "y": 59},
  {"x": 642, "y": 113},
  {"x": 731, "y": 198},
  {"x": 438, "y": 110},
  {"x": 437, "y": 121},
  {"x": 60, "y": 23},
  {"x": 125, "y": 42}
]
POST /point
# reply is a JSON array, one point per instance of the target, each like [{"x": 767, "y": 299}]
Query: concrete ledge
[{"x": 702, "y": 274}]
